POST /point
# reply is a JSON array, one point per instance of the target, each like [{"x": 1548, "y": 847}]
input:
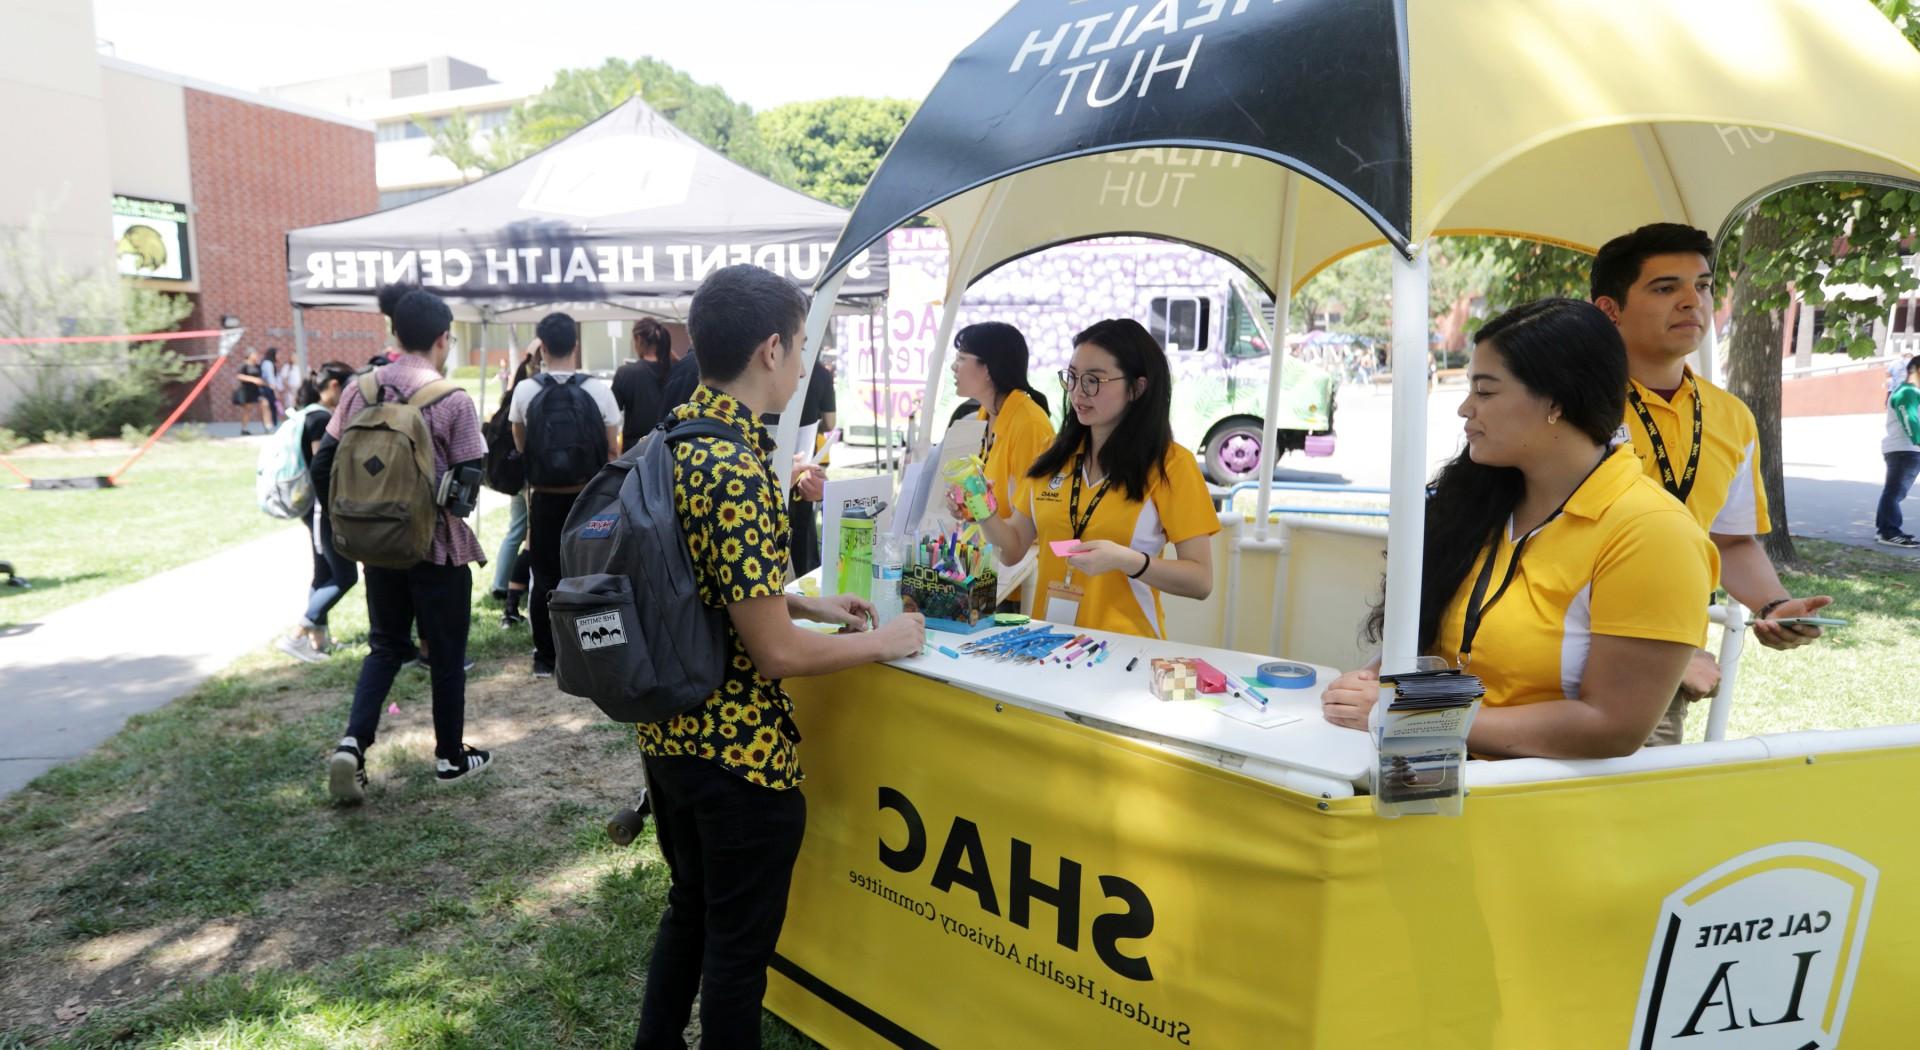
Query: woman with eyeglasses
[
  {"x": 1116, "y": 485},
  {"x": 990, "y": 367}
]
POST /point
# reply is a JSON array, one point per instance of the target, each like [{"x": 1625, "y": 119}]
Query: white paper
[
  {"x": 809, "y": 435},
  {"x": 1259, "y": 717}
]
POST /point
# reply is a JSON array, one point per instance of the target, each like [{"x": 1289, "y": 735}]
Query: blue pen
[{"x": 1241, "y": 686}]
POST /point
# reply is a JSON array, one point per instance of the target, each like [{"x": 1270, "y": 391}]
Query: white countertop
[{"x": 1309, "y": 755}]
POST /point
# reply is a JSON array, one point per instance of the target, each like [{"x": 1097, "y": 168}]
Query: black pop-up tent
[{"x": 620, "y": 219}]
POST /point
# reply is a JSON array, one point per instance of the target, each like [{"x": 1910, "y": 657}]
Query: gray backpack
[{"x": 630, "y": 632}]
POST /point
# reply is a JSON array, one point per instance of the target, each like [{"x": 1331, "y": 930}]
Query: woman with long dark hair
[
  {"x": 1571, "y": 583},
  {"x": 640, "y": 385},
  {"x": 512, "y": 572},
  {"x": 333, "y": 575},
  {"x": 990, "y": 367},
  {"x": 1114, "y": 482}
]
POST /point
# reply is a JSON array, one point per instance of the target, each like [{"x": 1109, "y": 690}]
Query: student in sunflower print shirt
[{"x": 725, "y": 777}]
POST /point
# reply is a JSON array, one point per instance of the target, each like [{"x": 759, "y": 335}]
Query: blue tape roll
[{"x": 1284, "y": 674}]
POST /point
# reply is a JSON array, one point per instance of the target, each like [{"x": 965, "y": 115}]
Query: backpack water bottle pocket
[{"x": 599, "y": 651}]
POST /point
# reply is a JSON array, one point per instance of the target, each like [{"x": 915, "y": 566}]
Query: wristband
[
  {"x": 1146, "y": 564},
  {"x": 1770, "y": 606}
]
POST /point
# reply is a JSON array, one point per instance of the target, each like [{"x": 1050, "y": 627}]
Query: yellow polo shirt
[
  {"x": 1177, "y": 508},
  {"x": 1727, "y": 496},
  {"x": 1624, "y": 558},
  {"x": 1015, "y": 438}
]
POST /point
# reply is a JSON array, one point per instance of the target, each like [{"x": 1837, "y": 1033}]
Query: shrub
[
  {"x": 10, "y": 441},
  {"x": 98, "y": 399},
  {"x": 189, "y": 432},
  {"x": 134, "y": 435}
]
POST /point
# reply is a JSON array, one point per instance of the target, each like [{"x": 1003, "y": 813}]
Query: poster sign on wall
[{"x": 150, "y": 238}]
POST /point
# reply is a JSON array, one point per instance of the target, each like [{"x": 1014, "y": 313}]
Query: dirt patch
[{"x": 550, "y": 753}]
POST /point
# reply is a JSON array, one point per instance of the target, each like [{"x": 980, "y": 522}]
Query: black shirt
[
  {"x": 313, "y": 427},
  {"x": 819, "y": 400},
  {"x": 641, "y": 393},
  {"x": 681, "y": 381}
]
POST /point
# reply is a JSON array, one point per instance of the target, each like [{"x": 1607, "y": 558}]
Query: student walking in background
[
  {"x": 437, "y": 588},
  {"x": 333, "y": 574},
  {"x": 1901, "y": 449},
  {"x": 250, "y": 395},
  {"x": 567, "y": 427}
]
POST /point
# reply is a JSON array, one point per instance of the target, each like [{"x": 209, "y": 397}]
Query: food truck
[{"x": 1214, "y": 323}]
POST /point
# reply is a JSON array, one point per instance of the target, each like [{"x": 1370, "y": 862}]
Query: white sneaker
[
  {"x": 300, "y": 647},
  {"x": 347, "y": 772}
]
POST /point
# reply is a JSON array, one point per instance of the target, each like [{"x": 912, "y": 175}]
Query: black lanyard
[
  {"x": 1476, "y": 610},
  {"x": 1073, "y": 502},
  {"x": 1683, "y": 486}
]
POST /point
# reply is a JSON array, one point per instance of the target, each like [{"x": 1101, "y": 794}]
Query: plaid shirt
[{"x": 454, "y": 423}]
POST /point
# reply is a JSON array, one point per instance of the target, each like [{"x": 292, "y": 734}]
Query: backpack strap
[
  {"x": 369, "y": 388},
  {"x": 433, "y": 393}
]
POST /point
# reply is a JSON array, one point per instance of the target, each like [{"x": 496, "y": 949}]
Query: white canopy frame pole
[
  {"x": 1282, "y": 304},
  {"x": 1407, "y": 509},
  {"x": 787, "y": 433},
  {"x": 300, "y": 356}
]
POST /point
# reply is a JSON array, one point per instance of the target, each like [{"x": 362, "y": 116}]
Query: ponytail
[
  {"x": 1038, "y": 399},
  {"x": 318, "y": 380}
]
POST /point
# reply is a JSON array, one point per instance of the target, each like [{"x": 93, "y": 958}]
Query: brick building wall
[{"x": 259, "y": 172}]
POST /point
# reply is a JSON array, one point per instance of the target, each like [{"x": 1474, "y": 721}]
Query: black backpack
[
  {"x": 566, "y": 435},
  {"x": 622, "y": 551},
  {"x": 506, "y": 468}
]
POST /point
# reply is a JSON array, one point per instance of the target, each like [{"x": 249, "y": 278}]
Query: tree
[
  {"x": 835, "y": 144},
  {"x": 91, "y": 388},
  {"x": 455, "y": 138},
  {"x": 1818, "y": 240},
  {"x": 578, "y": 97},
  {"x": 1522, "y": 271}
]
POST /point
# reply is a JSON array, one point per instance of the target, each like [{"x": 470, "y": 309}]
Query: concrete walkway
[{"x": 71, "y": 680}]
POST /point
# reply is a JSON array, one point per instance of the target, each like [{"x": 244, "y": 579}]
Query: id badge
[{"x": 1063, "y": 605}]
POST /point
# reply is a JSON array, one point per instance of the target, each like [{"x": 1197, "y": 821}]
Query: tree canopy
[{"x": 835, "y": 144}]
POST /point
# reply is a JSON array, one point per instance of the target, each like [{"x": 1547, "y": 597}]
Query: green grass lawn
[
  {"x": 1860, "y": 675},
  {"x": 188, "y": 886},
  {"x": 182, "y": 502},
  {"x": 197, "y": 853}
]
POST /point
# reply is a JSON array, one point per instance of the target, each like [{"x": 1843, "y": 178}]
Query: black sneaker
[
  {"x": 542, "y": 668},
  {"x": 472, "y": 760},
  {"x": 510, "y": 620},
  {"x": 1902, "y": 540},
  {"x": 347, "y": 772}
]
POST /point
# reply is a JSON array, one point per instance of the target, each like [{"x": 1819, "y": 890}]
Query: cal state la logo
[{"x": 1758, "y": 954}]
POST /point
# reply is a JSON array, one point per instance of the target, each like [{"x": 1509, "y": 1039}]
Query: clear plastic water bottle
[{"x": 889, "y": 565}]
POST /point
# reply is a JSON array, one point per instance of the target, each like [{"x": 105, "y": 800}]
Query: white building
[{"x": 396, "y": 101}]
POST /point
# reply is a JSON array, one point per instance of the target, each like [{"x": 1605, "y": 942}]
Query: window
[
  {"x": 1179, "y": 324},
  {"x": 394, "y": 132},
  {"x": 490, "y": 119}
]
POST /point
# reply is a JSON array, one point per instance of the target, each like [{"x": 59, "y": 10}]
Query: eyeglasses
[{"x": 1090, "y": 384}]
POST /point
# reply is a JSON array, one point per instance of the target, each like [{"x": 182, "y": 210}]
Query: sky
[{"x": 797, "y": 49}]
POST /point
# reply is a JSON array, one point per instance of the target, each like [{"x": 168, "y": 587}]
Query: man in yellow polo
[{"x": 1700, "y": 442}]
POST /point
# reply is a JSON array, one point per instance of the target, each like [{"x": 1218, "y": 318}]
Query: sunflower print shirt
[{"x": 736, "y": 527}]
